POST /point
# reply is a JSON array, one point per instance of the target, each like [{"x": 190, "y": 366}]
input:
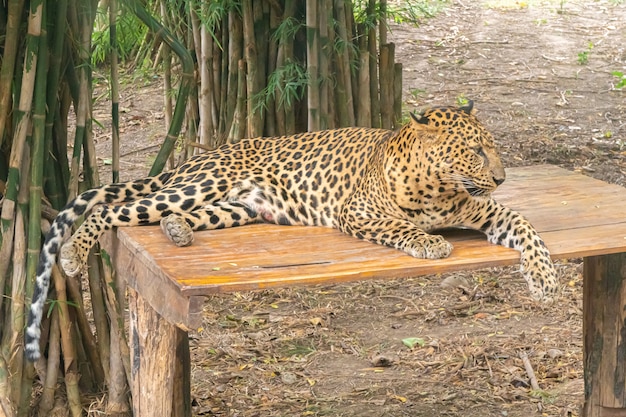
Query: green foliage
[
  {"x": 583, "y": 57},
  {"x": 461, "y": 100},
  {"x": 130, "y": 34},
  {"x": 289, "y": 82},
  {"x": 545, "y": 396},
  {"x": 621, "y": 79},
  {"x": 410, "y": 12},
  {"x": 416, "y": 93},
  {"x": 413, "y": 12},
  {"x": 213, "y": 13},
  {"x": 411, "y": 342},
  {"x": 363, "y": 15},
  {"x": 287, "y": 29}
]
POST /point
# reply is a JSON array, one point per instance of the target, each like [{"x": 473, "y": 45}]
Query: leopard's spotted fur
[{"x": 386, "y": 187}]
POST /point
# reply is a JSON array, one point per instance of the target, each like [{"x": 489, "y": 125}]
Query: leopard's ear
[
  {"x": 419, "y": 118},
  {"x": 467, "y": 108}
]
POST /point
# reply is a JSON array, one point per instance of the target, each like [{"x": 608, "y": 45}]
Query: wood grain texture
[
  {"x": 576, "y": 215},
  {"x": 604, "y": 328},
  {"x": 152, "y": 360}
]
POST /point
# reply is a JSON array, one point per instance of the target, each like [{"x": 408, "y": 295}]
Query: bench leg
[
  {"x": 604, "y": 329},
  {"x": 182, "y": 376},
  {"x": 159, "y": 363}
]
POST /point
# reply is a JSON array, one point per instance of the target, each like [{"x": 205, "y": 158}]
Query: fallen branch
[{"x": 529, "y": 370}]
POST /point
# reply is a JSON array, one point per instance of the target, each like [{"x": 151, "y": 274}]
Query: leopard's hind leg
[
  {"x": 179, "y": 227},
  {"x": 177, "y": 220},
  {"x": 150, "y": 209},
  {"x": 247, "y": 202}
]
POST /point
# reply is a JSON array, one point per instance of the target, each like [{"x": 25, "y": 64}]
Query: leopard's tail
[{"x": 107, "y": 194}]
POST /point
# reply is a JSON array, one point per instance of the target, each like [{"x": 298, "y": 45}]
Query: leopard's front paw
[
  {"x": 177, "y": 230},
  {"x": 72, "y": 258},
  {"x": 429, "y": 247},
  {"x": 542, "y": 280}
]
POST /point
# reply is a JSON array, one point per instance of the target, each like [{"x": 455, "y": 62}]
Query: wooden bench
[{"x": 577, "y": 216}]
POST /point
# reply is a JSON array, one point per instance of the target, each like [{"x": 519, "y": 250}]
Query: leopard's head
[{"x": 459, "y": 150}]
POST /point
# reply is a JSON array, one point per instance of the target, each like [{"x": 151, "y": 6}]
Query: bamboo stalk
[
  {"x": 192, "y": 111},
  {"x": 397, "y": 95},
  {"x": 386, "y": 85},
  {"x": 345, "y": 104},
  {"x": 353, "y": 57},
  {"x": 272, "y": 54},
  {"x": 382, "y": 26},
  {"x": 285, "y": 118},
  {"x": 68, "y": 348},
  {"x": 79, "y": 134},
  {"x": 7, "y": 220},
  {"x": 115, "y": 94},
  {"x": 193, "y": 121},
  {"x": 59, "y": 172},
  {"x": 14, "y": 215},
  {"x": 52, "y": 367},
  {"x": 235, "y": 54},
  {"x": 372, "y": 44},
  {"x": 364, "y": 108},
  {"x": 217, "y": 82},
  {"x": 251, "y": 53},
  {"x": 37, "y": 155},
  {"x": 14, "y": 324},
  {"x": 330, "y": 50},
  {"x": 205, "y": 95},
  {"x": 324, "y": 64},
  {"x": 119, "y": 373},
  {"x": 312, "y": 60},
  {"x": 167, "y": 89},
  {"x": 166, "y": 59},
  {"x": 9, "y": 58},
  {"x": 260, "y": 15},
  {"x": 53, "y": 172},
  {"x": 35, "y": 192},
  {"x": 223, "y": 83},
  {"x": 96, "y": 357},
  {"x": 237, "y": 128}
]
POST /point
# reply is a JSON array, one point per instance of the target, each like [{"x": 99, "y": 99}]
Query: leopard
[{"x": 388, "y": 187}]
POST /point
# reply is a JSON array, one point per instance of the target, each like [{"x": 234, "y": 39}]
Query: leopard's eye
[{"x": 480, "y": 151}]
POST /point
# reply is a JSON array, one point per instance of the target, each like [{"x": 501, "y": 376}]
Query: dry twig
[{"x": 529, "y": 370}]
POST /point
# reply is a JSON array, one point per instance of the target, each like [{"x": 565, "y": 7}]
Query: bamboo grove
[{"x": 230, "y": 69}]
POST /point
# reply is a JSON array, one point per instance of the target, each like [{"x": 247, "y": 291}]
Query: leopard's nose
[{"x": 498, "y": 181}]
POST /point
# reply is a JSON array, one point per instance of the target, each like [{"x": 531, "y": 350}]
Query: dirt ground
[{"x": 540, "y": 75}]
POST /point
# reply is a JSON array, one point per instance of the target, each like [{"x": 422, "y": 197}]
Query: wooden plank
[
  {"x": 563, "y": 200},
  {"x": 181, "y": 403},
  {"x": 143, "y": 274},
  {"x": 153, "y": 359},
  {"x": 323, "y": 256},
  {"x": 261, "y": 256},
  {"x": 604, "y": 329},
  {"x": 577, "y": 216}
]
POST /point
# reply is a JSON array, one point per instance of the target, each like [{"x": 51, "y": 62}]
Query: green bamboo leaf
[{"x": 410, "y": 342}]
